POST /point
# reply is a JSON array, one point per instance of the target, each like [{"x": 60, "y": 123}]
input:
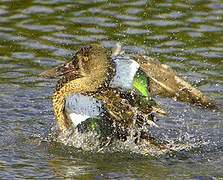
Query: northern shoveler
[{"x": 111, "y": 91}]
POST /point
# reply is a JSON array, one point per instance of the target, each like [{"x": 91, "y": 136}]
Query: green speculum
[
  {"x": 90, "y": 124},
  {"x": 140, "y": 83},
  {"x": 102, "y": 127}
]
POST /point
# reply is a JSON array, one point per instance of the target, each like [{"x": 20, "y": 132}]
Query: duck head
[{"x": 91, "y": 61}]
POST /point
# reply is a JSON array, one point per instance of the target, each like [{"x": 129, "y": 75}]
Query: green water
[{"x": 39, "y": 34}]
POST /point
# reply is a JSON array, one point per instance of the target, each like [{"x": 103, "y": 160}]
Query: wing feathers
[{"x": 165, "y": 83}]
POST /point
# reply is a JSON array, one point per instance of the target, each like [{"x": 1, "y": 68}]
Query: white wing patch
[
  {"x": 77, "y": 118},
  {"x": 126, "y": 69},
  {"x": 79, "y": 108}
]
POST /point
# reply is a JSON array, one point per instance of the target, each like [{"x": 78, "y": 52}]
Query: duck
[{"x": 110, "y": 93}]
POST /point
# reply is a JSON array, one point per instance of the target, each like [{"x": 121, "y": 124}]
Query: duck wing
[
  {"x": 123, "y": 108},
  {"x": 164, "y": 82}
]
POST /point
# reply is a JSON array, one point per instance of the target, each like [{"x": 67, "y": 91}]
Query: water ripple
[{"x": 37, "y": 35}]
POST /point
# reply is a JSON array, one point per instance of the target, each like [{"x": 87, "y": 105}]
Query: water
[{"x": 36, "y": 35}]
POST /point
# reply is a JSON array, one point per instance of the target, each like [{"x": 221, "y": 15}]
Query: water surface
[{"x": 36, "y": 35}]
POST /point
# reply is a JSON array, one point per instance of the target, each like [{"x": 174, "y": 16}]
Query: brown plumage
[{"x": 89, "y": 73}]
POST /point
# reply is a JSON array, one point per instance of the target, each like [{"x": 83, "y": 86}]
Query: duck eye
[{"x": 85, "y": 58}]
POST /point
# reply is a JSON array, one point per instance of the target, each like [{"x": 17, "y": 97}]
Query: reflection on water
[{"x": 36, "y": 35}]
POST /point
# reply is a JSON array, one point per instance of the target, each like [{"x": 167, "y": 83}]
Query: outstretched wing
[{"x": 165, "y": 83}]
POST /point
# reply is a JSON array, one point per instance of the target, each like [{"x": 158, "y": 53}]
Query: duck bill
[{"x": 64, "y": 70}]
